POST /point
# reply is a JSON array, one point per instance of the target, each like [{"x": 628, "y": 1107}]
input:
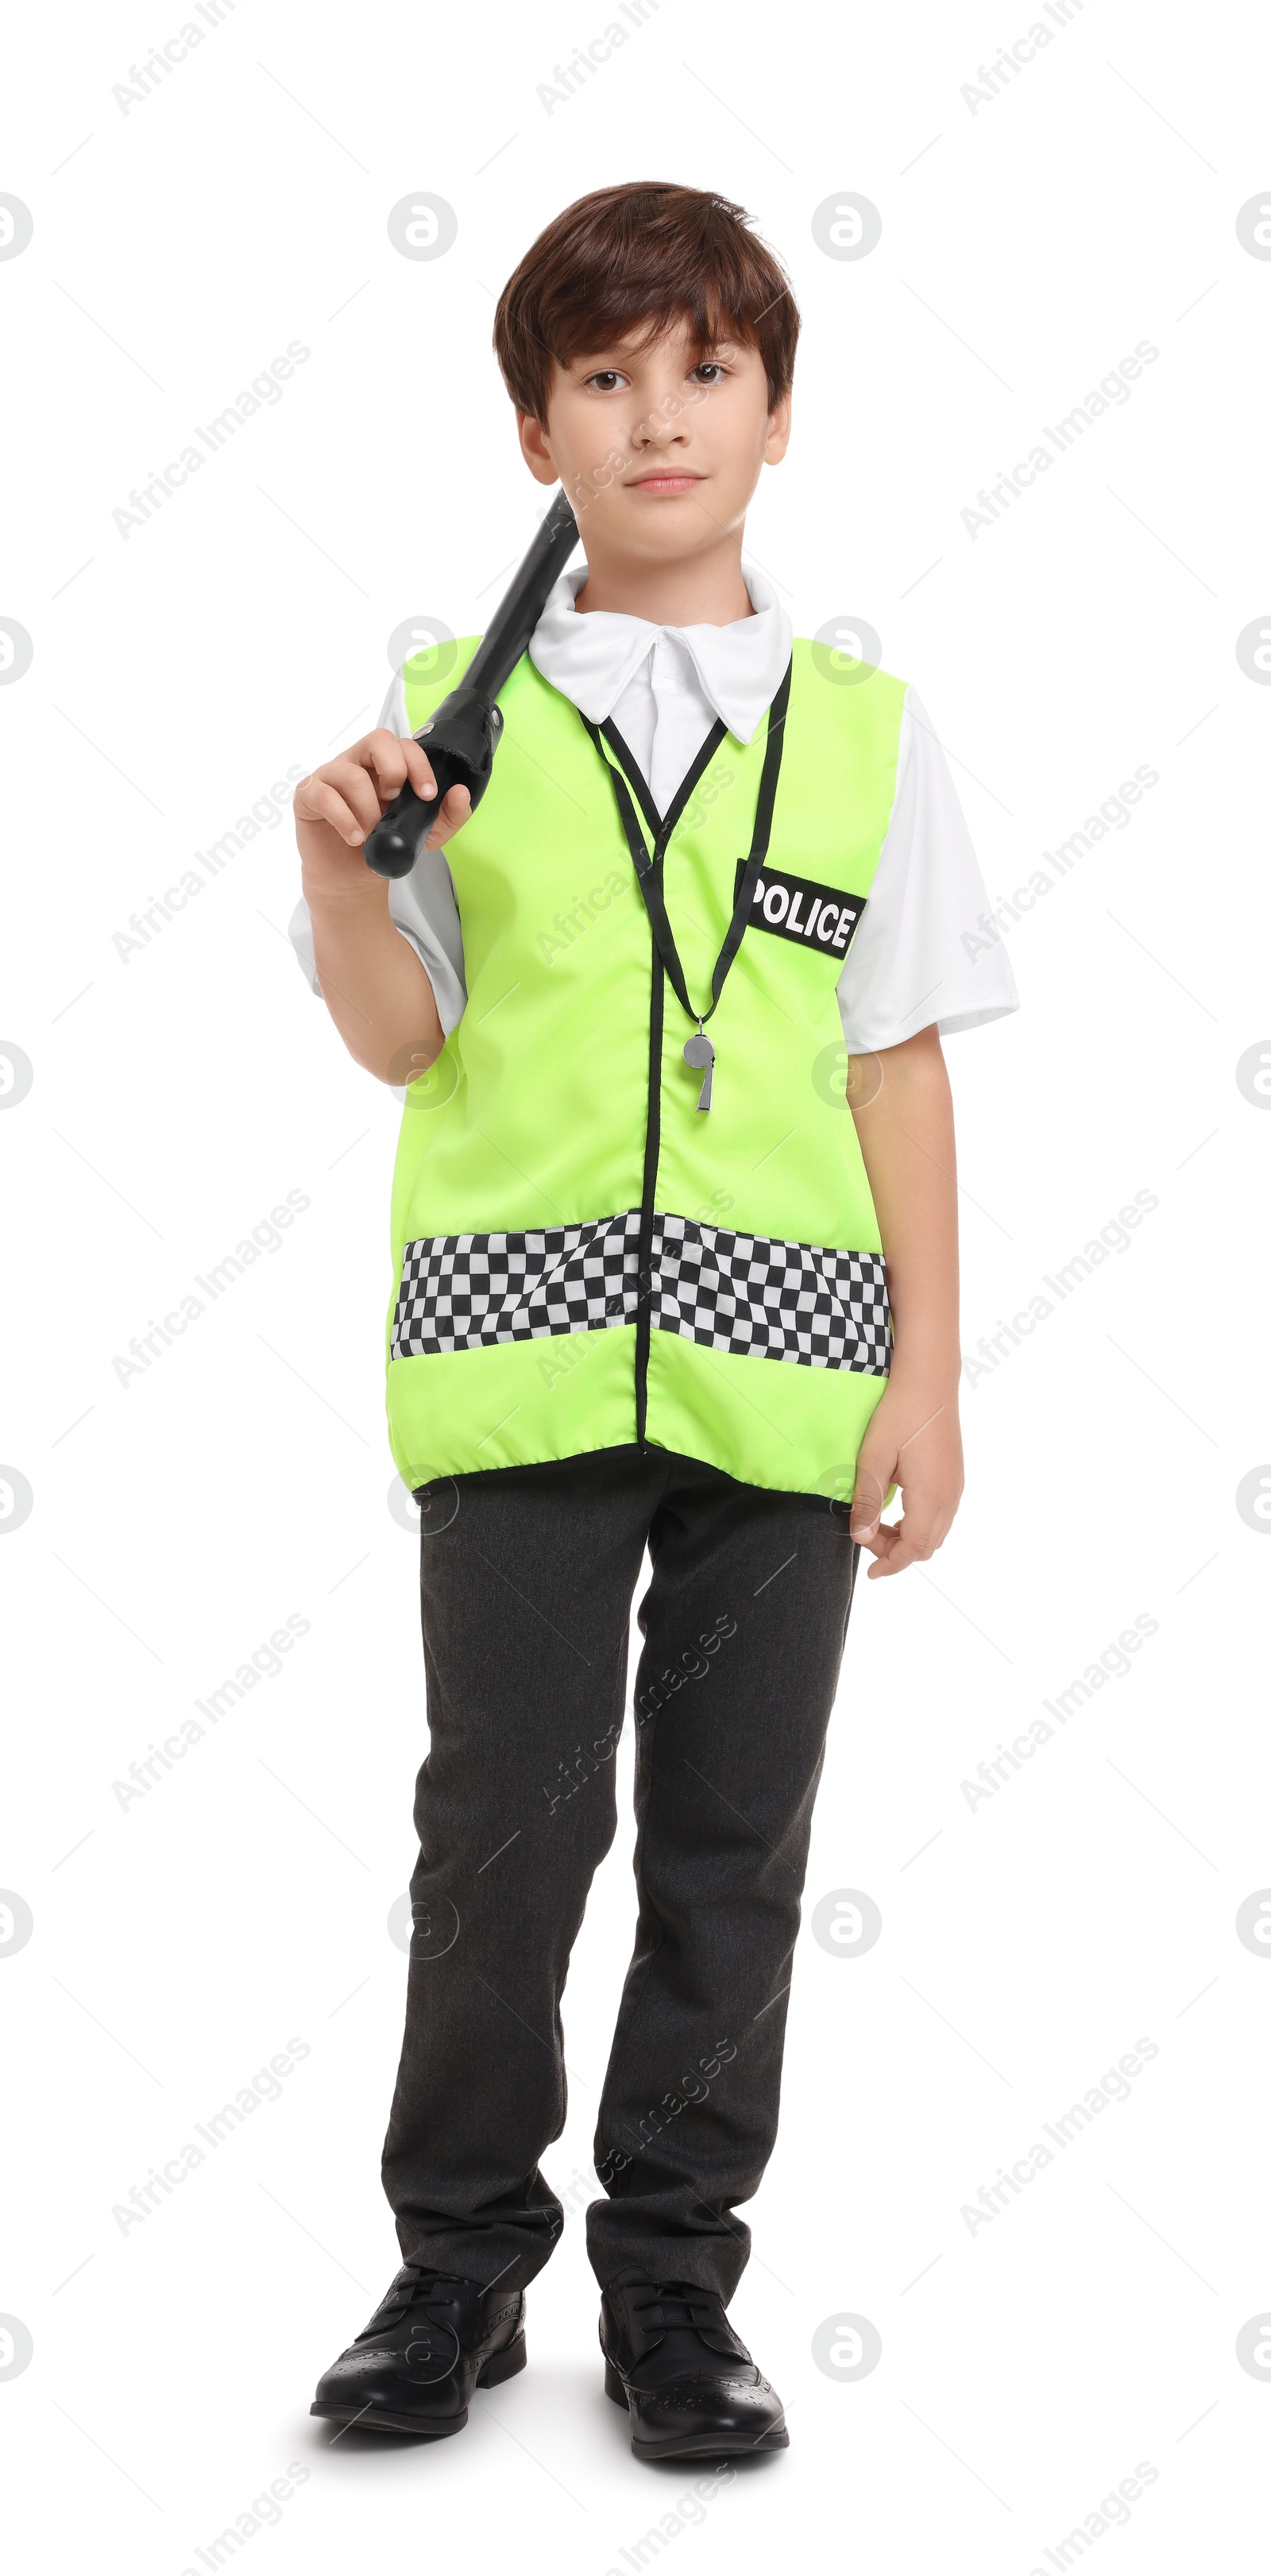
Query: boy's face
[{"x": 658, "y": 448}]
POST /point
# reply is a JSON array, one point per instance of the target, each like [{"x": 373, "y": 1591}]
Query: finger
[
  {"x": 456, "y": 806},
  {"x": 359, "y": 789},
  {"x": 394, "y": 759},
  {"x": 877, "y": 1541},
  {"x": 317, "y": 801},
  {"x": 891, "y": 1558},
  {"x": 911, "y": 1545},
  {"x": 873, "y": 1475},
  {"x": 418, "y": 770},
  {"x": 354, "y": 789}
]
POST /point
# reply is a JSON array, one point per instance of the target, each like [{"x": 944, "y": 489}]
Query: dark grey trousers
[{"x": 527, "y": 1578}]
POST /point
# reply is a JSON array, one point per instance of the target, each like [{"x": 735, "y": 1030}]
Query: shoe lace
[
  {"x": 680, "y": 2304},
  {"x": 421, "y": 2288},
  {"x": 435, "y": 2292}
]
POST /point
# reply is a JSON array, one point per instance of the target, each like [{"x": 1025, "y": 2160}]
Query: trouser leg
[
  {"x": 748, "y": 1604},
  {"x": 526, "y": 1585}
]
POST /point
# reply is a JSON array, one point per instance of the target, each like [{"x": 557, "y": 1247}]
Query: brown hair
[{"x": 646, "y": 253}]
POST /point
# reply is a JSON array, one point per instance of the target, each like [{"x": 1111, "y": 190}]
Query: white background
[{"x": 1028, "y": 2367}]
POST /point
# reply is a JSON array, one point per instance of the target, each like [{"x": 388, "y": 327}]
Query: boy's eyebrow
[
  {"x": 615, "y": 348},
  {"x": 592, "y": 361}
]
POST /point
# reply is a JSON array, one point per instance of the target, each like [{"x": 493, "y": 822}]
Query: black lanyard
[{"x": 648, "y": 865}]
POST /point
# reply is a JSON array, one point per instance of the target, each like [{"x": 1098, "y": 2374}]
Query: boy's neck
[{"x": 695, "y": 590}]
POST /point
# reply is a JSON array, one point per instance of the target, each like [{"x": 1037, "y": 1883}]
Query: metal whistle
[{"x": 700, "y": 1054}]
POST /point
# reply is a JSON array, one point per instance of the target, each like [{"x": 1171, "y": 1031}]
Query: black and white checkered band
[
  {"x": 783, "y": 1301},
  {"x": 460, "y": 1291},
  {"x": 727, "y": 1292}
]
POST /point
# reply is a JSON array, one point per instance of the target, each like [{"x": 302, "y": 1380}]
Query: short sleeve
[
  {"x": 927, "y": 951},
  {"x": 422, "y": 906}
]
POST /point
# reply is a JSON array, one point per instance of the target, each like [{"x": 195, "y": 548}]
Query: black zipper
[
  {"x": 652, "y": 1147},
  {"x": 662, "y": 826}
]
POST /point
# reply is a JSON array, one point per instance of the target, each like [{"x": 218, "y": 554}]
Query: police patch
[{"x": 817, "y": 916}]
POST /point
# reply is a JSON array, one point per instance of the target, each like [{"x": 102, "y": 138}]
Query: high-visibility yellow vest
[{"x": 583, "y": 1258}]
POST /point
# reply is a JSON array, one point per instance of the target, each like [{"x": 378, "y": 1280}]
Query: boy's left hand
[{"x": 913, "y": 1441}]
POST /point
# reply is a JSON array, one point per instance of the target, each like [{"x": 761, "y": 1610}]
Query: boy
[{"x": 651, "y": 1289}]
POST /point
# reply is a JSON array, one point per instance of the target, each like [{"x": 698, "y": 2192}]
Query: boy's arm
[
  {"x": 374, "y": 986},
  {"x": 901, "y": 1103}
]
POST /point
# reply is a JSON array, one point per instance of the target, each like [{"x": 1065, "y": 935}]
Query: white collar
[{"x": 591, "y": 658}]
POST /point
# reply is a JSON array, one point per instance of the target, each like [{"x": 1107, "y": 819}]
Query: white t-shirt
[{"x": 664, "y": 687}]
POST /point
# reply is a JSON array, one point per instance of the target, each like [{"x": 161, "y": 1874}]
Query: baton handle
[
  {"x": 459, "y": 740},
  {"x": 462, "y": 734}
]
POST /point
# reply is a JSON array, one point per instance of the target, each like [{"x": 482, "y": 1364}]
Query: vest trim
[{"x": 742, "y": 1293}]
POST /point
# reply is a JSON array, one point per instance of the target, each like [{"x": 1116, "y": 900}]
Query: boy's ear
[
  {"x": 778, "y": 438},
  {"x": 534, "y": 448}
]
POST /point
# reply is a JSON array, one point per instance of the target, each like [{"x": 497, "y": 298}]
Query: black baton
[{"x": 462, "y": 734}]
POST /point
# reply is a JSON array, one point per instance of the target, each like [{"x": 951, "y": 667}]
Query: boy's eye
[
  {"x": 606, "y": 379},
  {"x": 711, "y": 371}
]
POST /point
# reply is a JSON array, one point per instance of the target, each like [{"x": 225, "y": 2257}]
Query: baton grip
[
  {"x": 461, "y": 735},
  {"x": 459, "y": 741},
  {"x": 393, "y": 846}
]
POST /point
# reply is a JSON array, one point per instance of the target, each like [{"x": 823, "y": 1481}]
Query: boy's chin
[{"x": 664, "y": 532}]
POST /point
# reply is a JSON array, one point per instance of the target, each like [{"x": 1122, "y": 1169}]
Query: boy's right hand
[{"x": 340, "y": 803}]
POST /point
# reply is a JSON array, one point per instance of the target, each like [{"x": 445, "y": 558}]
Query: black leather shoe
[
  {"x": 431, "y": 2341},
  {"x": 687, "y": 2381}
]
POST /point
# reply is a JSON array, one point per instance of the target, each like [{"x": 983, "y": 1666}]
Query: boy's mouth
[{"x": 665, "y": 481}]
